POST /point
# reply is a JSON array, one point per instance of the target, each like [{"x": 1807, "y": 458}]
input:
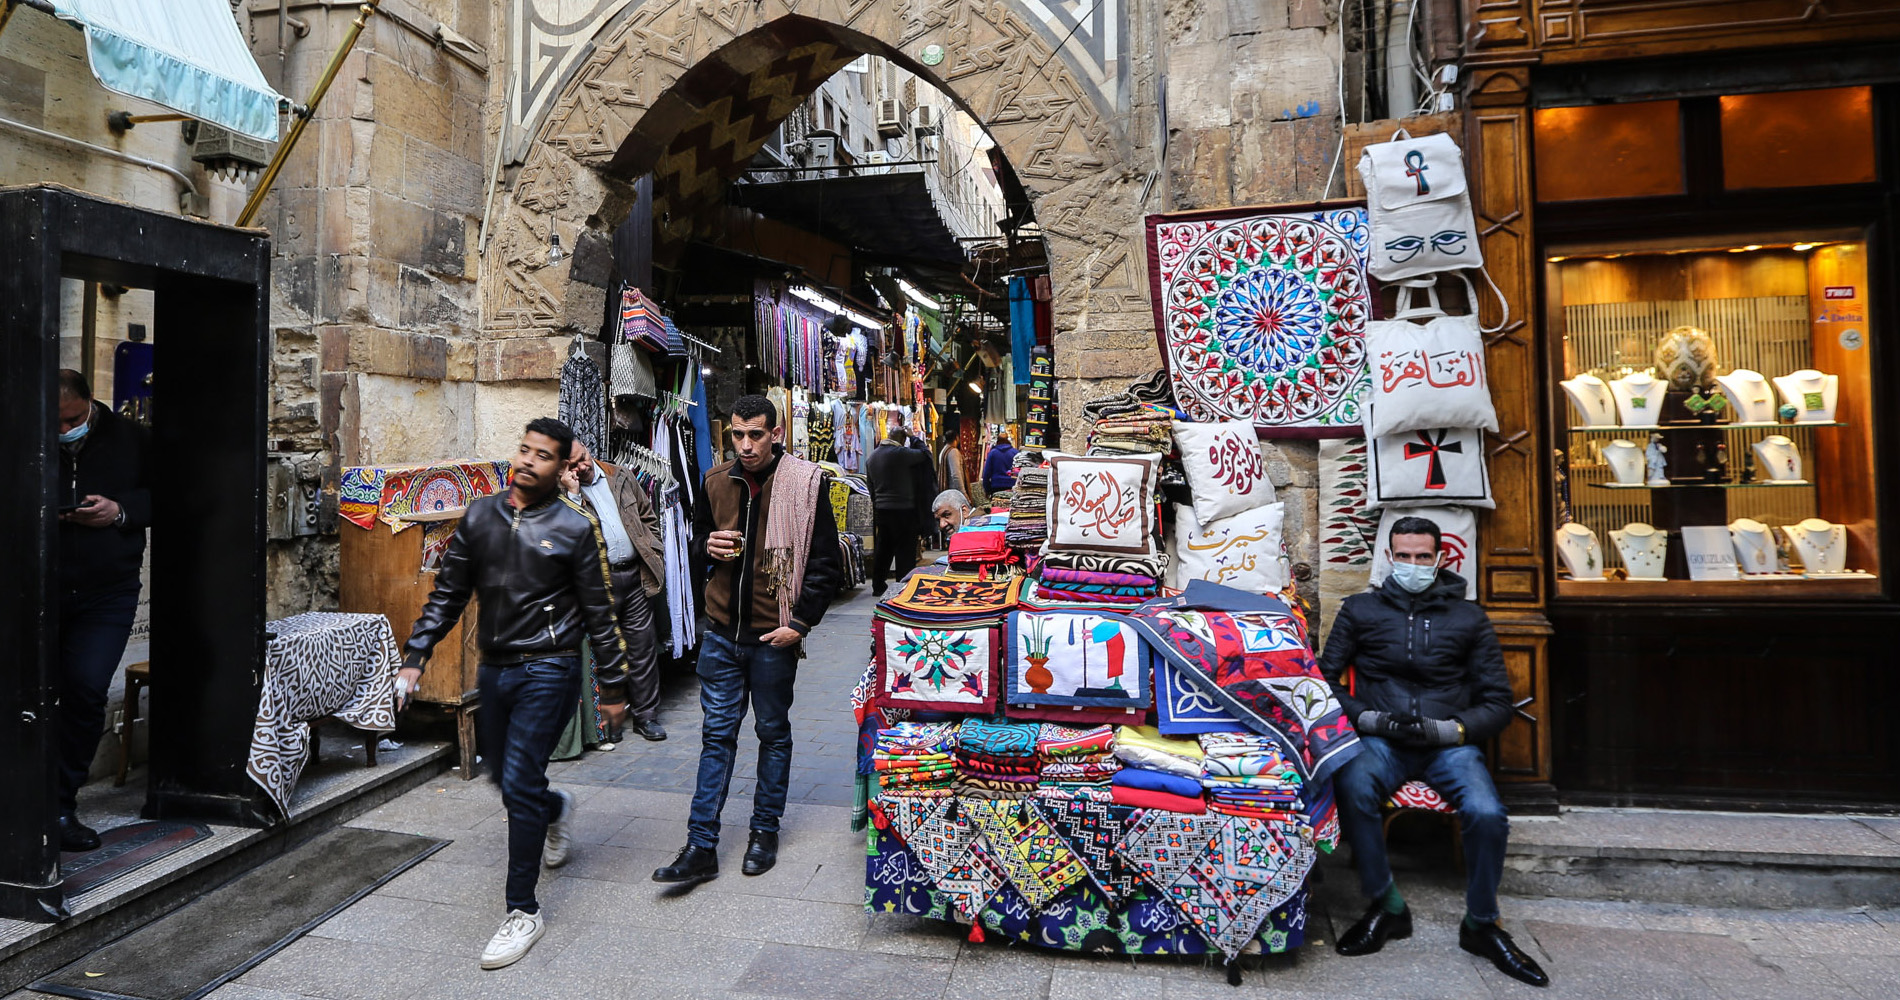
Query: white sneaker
[
  {"x": 518, "y": 933},
  {"x": 560, "y": 840}
]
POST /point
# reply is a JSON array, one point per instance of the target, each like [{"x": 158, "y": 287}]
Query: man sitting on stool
[{"x": 1431, "y": 687}]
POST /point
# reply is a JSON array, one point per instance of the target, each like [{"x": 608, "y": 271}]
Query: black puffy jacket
[
  {"x": 541, "y": 574},
  {"x": 1433, "y": 654}
]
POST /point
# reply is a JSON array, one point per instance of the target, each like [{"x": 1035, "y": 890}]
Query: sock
[
  {"x": 1475, "y": 924},
  {"x": 1390, "y": 901}
]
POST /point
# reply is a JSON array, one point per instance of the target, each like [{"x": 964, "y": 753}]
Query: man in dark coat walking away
[
  {"x": 894, "y": 469},
  {"x": 1430, "y": 688}
]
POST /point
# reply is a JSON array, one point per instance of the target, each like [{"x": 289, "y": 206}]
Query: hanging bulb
[{"x": 555, "y": 253}]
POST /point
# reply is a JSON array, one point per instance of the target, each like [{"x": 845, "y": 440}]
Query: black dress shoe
[
  {"x": 649, "y": 729},
  {"x": 761, "y": 853},
  {"x": 694, "y": 864},
  {"x": 1492, "y": 942},
  {"x": 1373, "y": 930},
  {"x": 76, "y": 837}
]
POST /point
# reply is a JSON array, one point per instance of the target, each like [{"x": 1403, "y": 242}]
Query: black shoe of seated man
[
  {"x": 1373, "y": 930},
  {"x": 76, "y": 837},
  {"x": 694, "y": 864},
  {"x": 761, "y": 853},
  {"x": 649, "y": 729},
  {"x": 1492, "y": 942}
]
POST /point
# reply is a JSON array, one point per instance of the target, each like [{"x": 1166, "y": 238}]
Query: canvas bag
[
  {"x": 1430, "y": 374},
  {"x": 1428, "y": 468},
  {"x": 1418, "y": 206}
]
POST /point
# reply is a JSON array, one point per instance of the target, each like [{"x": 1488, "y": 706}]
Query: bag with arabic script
[
  {"x": 1418, "y": 206},
  {"x": 1429, "y": 374}
]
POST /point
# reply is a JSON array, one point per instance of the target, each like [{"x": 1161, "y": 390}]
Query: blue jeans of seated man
[
  {"x": 93, "y": 628},
  {"x": 524, "y": 708},
  {"x": 1364, "y": 784},
  {"x": 729, "y": 673}
]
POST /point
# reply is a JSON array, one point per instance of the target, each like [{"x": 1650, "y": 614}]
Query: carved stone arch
[{"x": 685, "y": 85}]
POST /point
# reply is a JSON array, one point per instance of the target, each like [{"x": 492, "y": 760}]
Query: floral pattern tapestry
[
  {"x": 936, "y": 666},
  {"x": 1261, "y": 315}
]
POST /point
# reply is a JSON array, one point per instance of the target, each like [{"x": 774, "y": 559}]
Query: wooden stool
[
  {"x": 138, "y": 676},
  {"x": 369, "y": 741}
]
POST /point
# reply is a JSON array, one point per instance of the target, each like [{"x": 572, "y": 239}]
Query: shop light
[
  {"x": 918, "y": 296},
  {"x": 976, "y": 387},
  {"x": 1804, "y": 247},
  {"x": 835, "y": 308},
  {"x": 1555, "y": 260}
]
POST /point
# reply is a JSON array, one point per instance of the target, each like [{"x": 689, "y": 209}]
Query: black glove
[
  {"x": 1370, "y": 723},
  {"x": 1430, "y": 733}
]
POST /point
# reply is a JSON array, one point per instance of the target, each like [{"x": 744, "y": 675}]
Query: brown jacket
[
  {"x": 729, "y": 502},
  {"x": 643, "y": 527}
]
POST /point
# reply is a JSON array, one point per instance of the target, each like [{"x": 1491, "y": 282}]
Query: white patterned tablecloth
[{"x": 320, "y": 664}]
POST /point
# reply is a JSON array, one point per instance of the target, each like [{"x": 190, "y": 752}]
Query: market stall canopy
[
  {"x": 888, "y": 215},
  {"x": 187, "y": 55}
]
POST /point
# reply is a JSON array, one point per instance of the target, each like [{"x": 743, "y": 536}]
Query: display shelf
[
  {"x": 1754, "y": 425},
  {"x": 1771, "y": 483},
  {"x": 1743, "y": 589}
]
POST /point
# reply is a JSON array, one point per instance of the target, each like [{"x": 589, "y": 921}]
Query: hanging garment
[
  {"x": 583, "y": 404},
  {"x": 1022, "y": 327}
]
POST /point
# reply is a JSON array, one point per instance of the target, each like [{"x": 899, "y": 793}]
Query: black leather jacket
[{"x": 541, "y": 575}]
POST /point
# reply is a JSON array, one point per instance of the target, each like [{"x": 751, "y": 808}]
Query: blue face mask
[
  {"x": 71, "y": 436},
  {"x": 1412, "y": 577}
]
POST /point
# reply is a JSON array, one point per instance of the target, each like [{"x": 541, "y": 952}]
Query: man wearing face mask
[{"x": 1430, "y": 688}]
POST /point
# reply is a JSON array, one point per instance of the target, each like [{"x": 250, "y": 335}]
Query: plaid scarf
[{"x": 795, "y": 496}]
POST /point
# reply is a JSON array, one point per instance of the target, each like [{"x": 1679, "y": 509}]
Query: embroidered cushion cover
[
  {"x": 1102, "y": 505},
  {"x": 1244, "y": 551},
  {"x": 1224, "y": 468},
  {"x": 1458, "y": 538},
  {"x": 1419, "y": 208},
  {"x": 1076, "y": 658},
  {"x": 1427, "y": 375},
  {"x": 935, "y": 666},
  {"x": 1428, "y": 468}
]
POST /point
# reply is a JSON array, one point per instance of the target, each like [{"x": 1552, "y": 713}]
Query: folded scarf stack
[
  {"x": 996, "y": 760},
  {"x": 1246, "y": 775},
  {"x": 913, "y": 758},
  {"x": 1028, "y": 509},
  {"x": 1158, "y": 772},
  {"x": 1055, "y": 583},
  {"x": 1145, "y": 430},
  {"x": 1155, "y": 390},
  {"x": 1076, "y": 763}
]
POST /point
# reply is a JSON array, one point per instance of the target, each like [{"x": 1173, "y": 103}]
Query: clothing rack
[{"x": 690, "y": 339}]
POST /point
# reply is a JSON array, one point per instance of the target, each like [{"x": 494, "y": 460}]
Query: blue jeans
[
  {"x": 524, "y": 708},
  {"x": 93, "y": 628},
  {"x": 728, "y": 672},
  {"x": 1364, "y": 784}
]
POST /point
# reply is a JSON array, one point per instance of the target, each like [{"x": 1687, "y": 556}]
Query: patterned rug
[
  {"x": 1347, "y": 532},
  {"x": 125, "y": 849}
]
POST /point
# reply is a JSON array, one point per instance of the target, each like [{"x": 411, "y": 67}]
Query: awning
[
  {"x": 890, "y": 216},
  {"x": 186, "y": 55}
]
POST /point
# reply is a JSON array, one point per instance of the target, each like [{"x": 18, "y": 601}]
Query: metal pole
[{"x": 309, "y": 111}]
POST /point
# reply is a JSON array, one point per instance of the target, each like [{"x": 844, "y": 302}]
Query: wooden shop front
[{"x": 1693, "y": 578}]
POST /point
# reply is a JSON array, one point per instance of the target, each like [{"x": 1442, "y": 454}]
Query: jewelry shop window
[{"x": 1716, "y": 434}]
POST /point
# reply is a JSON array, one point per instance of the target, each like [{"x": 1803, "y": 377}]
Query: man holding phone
[
  {"x": 105, "y": 505},
  {"x": 764, "y": 528}
]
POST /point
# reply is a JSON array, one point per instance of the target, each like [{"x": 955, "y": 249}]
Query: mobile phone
[{"x": 70, "y": 507}]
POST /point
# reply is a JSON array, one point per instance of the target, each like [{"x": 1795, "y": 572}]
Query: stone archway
[{"x": 693, "y": 86}]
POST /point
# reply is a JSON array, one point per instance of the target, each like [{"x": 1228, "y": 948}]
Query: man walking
[
  {"x": 1430, "y": 687},
  {"x": 105, "y": 507},
  {"x": 631, "y": 528},
  {"x": 764, "y": 527},
  {"x": 893, "y": 471},
  {"x": 538, "y": 561}
]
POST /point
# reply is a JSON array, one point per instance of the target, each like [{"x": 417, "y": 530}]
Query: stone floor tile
[
  {"x": 806, "y": 973},
  {"x": 1875, "y": 977},
  {"x": 372, "y": 919}
]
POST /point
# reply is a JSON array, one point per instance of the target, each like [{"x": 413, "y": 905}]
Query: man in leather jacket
[
  {"x": 1430, "y": 686},
  {"x": 538, "y": 563}
]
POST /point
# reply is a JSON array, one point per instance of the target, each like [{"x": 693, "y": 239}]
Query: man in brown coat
[{"x": 638, "y": 566}]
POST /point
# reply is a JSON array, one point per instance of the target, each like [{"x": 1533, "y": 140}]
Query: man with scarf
[
  {"x": 1430, "y": 688},
  {"x": 763, "y": 528}
]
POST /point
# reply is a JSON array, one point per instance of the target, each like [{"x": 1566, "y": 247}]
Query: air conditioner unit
[
  {"x": 824, "y": 151},
  {"x": 876, "y": 161},
  {"x": 926, "y": 121},
  {"x": 890, "y": 118}
]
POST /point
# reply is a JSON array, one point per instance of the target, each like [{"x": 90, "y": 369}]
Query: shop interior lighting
[
  {"x": 834, "y": 308},
  {"x": 976, "y": 387},
  {"x": 1555, "y": 260},
  {"x": 918, "y": 296},
  {"x": 1804, "y": 247}
]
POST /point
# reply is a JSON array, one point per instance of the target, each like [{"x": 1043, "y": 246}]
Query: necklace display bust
[
  {"x": 1811, "y": 393},
  {"x": 1643, "y": 550},
  {"x": 1822, "y": 545},
  {"x": 1639, "y": 399},
  {"x": 1591, "y": 398},
  {"x": 1754, "y": 546},
  {"x": 1750, "y": 394},
  {"x": 1581, "y": 553},
  {"x": 1625, "y": 460},
  {"x": 1778, "y": 458}
]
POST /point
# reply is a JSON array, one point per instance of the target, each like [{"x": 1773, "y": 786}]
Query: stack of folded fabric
[
  {"x": 996, "y": 760},
  {"x": 1076, "y": 763},
  {"x": 1247, "y": 775},
  {"x": 913, "y": 758},
  {"x": 1144, "y": 428},
  {"x": 1155, "y": 390},
  {"x": 1028, "y": 509},
  {"x": 1057, "y": 583},
  {"x": 1158, "y": 772}
]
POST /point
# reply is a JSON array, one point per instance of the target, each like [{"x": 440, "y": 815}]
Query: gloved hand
[
  {"x": 1370, "y": 723},
  {"x": 1430, "y": 733}
]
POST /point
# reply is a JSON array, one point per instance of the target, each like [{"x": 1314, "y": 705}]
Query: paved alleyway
[{"x": 800, "y": 932}]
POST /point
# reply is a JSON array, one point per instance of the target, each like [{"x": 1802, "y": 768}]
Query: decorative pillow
[
  {"x": 1101, "y": 504},
  {"x": 1077, "y": 658},
  {"x": 1243, "y": 552},
  {"x": 1426, "y": 376},
  {"x": 1428, "y": 468},
  {"x": 950, "y": 668},
  {"x": 1224, "y": 468},
  {"x": 1458, "y": 539}
]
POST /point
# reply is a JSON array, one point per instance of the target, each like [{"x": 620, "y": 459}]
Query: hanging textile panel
[
  {"x": 1077, "y": 658},
  {"x": 1261, "y": 315},
  {"x": 368, "y": 494},
  {"x": 1348, "y": 532},
  {"x": 1250, "y": 867},
  {"x": 948, "y": 668}
]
